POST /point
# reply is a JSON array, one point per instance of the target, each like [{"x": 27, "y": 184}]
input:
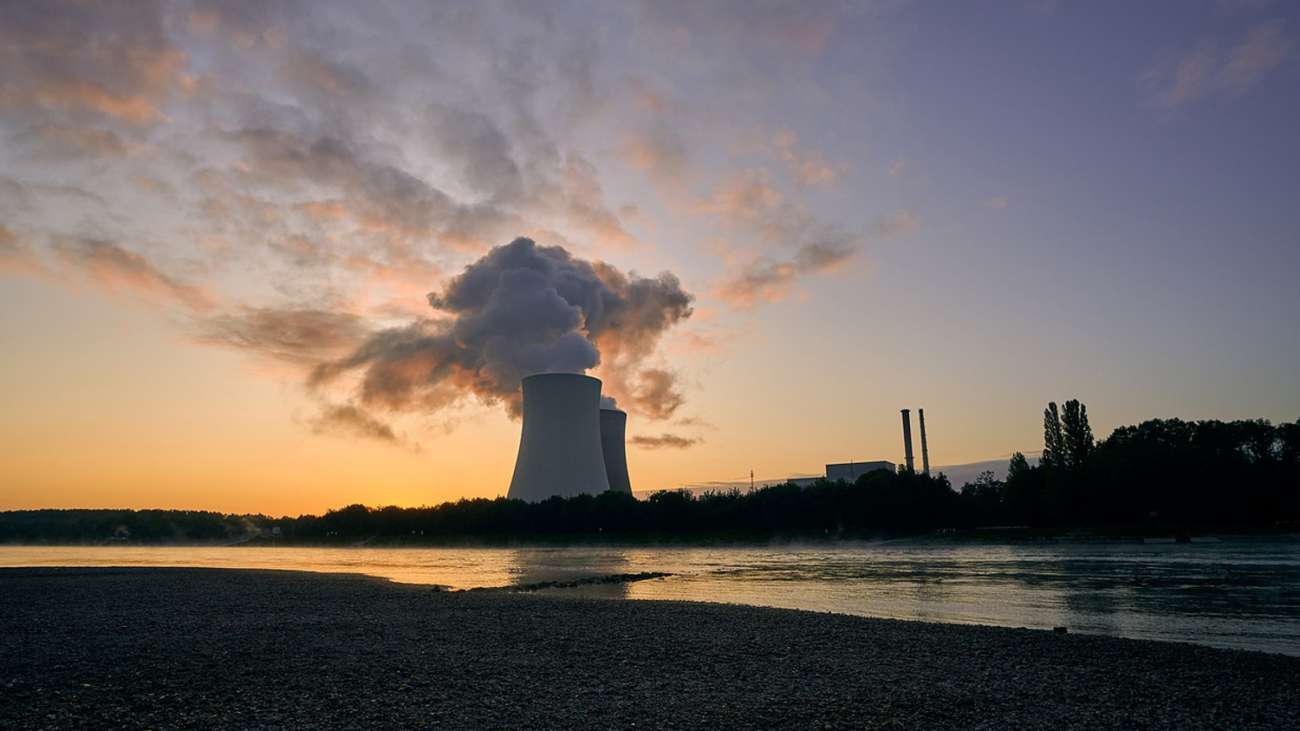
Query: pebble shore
[{"x": 148, "y": 648}]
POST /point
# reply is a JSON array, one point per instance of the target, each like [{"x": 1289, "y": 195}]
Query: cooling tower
[
  {"x": 907, "y": 439},
  {"x": 613, "y": 431},
  {"x": 559, "y": 448}
]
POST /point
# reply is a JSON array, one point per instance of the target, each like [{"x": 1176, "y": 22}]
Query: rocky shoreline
[{"x": 129, "y": 648}]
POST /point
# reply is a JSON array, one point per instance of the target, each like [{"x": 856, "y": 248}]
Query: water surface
[{"x": 1238, "y": 595}]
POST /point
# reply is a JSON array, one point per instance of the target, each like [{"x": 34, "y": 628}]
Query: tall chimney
[
  {"x": 559, "y": 447},
  {"x": 925, "y": 453},
  {"x": 907, "y": 439}
]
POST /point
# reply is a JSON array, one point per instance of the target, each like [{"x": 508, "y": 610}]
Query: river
[{"x": 1243, "y": 595}]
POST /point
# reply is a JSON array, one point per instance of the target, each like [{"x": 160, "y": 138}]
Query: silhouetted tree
[
  {"x": 1054, "y": 450},
  {"x": 1017, "y": 466},
  {"x": 982, "y": 500},
  {"x": 1076, "y": 439}
]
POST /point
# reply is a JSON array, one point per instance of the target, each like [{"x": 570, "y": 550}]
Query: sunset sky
[{"x": 221, "y": 224}]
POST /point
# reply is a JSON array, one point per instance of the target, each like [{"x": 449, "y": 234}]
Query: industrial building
[
  {"x": 568, "y": 445},
  {"x": 851, "y": 471}
]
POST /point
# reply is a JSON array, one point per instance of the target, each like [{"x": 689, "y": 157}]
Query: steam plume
[{"x": 523, "y": 309}]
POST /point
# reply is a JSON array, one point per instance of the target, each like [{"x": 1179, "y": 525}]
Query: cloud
[
  {"x": 66, "y": 140},
  {"x": 287, "y": 187},
  {"x": 651, "y": 391},
  {"x": 806, "y": 166},
  {"x": 298, "y": 336},
  {"x": 998, "y": 202},
  {"x": 16, "y": 258},
  {"x": 894, "y": 225},
  {"x": 752, "y": 198},
  {"x": 660, "y": 151},
  {"x": 1176, "y": 78},
  {"x": 123, "y": 272},
  {"x": 766, "y": 218},
  {"x": 111, "y": 60},
  {"x": 522, "y": 309},
  {"x": 663, "y": 441},
  {"x": 348, "y": 420},
  {"x": 764, "y": 280},
  {"x": 802, "y": 26}
]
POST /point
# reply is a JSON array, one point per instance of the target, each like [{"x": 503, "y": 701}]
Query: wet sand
[{"x": 122, "y": 648}]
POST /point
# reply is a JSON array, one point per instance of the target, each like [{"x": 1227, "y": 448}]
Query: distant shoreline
[
  {"x": 1010, "y": 536},
  {"x": 132, "y": 647}
]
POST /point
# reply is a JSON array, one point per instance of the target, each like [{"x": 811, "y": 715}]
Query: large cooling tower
[
  {"x": 559, "y": 450},
  {"x": 613, "y": 432}
]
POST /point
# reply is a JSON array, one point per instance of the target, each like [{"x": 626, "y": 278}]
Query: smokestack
[
  {"x": 613, "y": 430},
  {"x": 559, "y": 447},
  {"x": 925, "y": 453},
  {"x": 907, "y": 440}
]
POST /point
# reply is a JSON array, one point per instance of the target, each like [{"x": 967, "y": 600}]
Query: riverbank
[{"x": 196, "y": 648}]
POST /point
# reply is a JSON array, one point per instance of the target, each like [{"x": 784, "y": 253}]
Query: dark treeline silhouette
[
  {"x": 1162, "y": 472},
  {"x": 878, "y": 503},
  {"x": 881, "y": 502},
  {"x": 1165, "y": 476},
  {"x": 128, "y": 526}
]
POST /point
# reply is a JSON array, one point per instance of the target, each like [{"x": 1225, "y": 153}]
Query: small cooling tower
[
  {"x": 613, "y": 431},
  {"x": 559, "y": 449}
]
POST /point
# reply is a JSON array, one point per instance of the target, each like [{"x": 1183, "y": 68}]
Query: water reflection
[{"x": 531, "y": 567}]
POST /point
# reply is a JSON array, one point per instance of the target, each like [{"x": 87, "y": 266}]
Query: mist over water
[{"x": 1232, "y": 595}]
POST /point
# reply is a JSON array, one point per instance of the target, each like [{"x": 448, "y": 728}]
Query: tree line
[{"x": 1163, "y": 474}]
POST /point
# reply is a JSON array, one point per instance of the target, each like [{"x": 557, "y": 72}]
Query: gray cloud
[
  {"x": 350, "y": 421},
  {"x": 300, "y": 336},
  {"x": 663, "y": 441}
]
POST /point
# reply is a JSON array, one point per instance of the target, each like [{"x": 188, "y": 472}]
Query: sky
[{"x": 272, "y": 256}]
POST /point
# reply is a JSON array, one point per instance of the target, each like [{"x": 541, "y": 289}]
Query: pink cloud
[
  {"x": 764, "y": 280},
  {"x": 807, "y": 167},
  {"x": 1174, "y": 78},
  {"x": 894, "y": 225},
  {"x": 660, "y": 152}
]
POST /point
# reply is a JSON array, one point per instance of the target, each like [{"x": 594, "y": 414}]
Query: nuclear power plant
[{"x": 569, "y": 445}]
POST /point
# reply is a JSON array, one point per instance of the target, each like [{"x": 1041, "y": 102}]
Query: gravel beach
[{"x": 127, "y": 648}]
